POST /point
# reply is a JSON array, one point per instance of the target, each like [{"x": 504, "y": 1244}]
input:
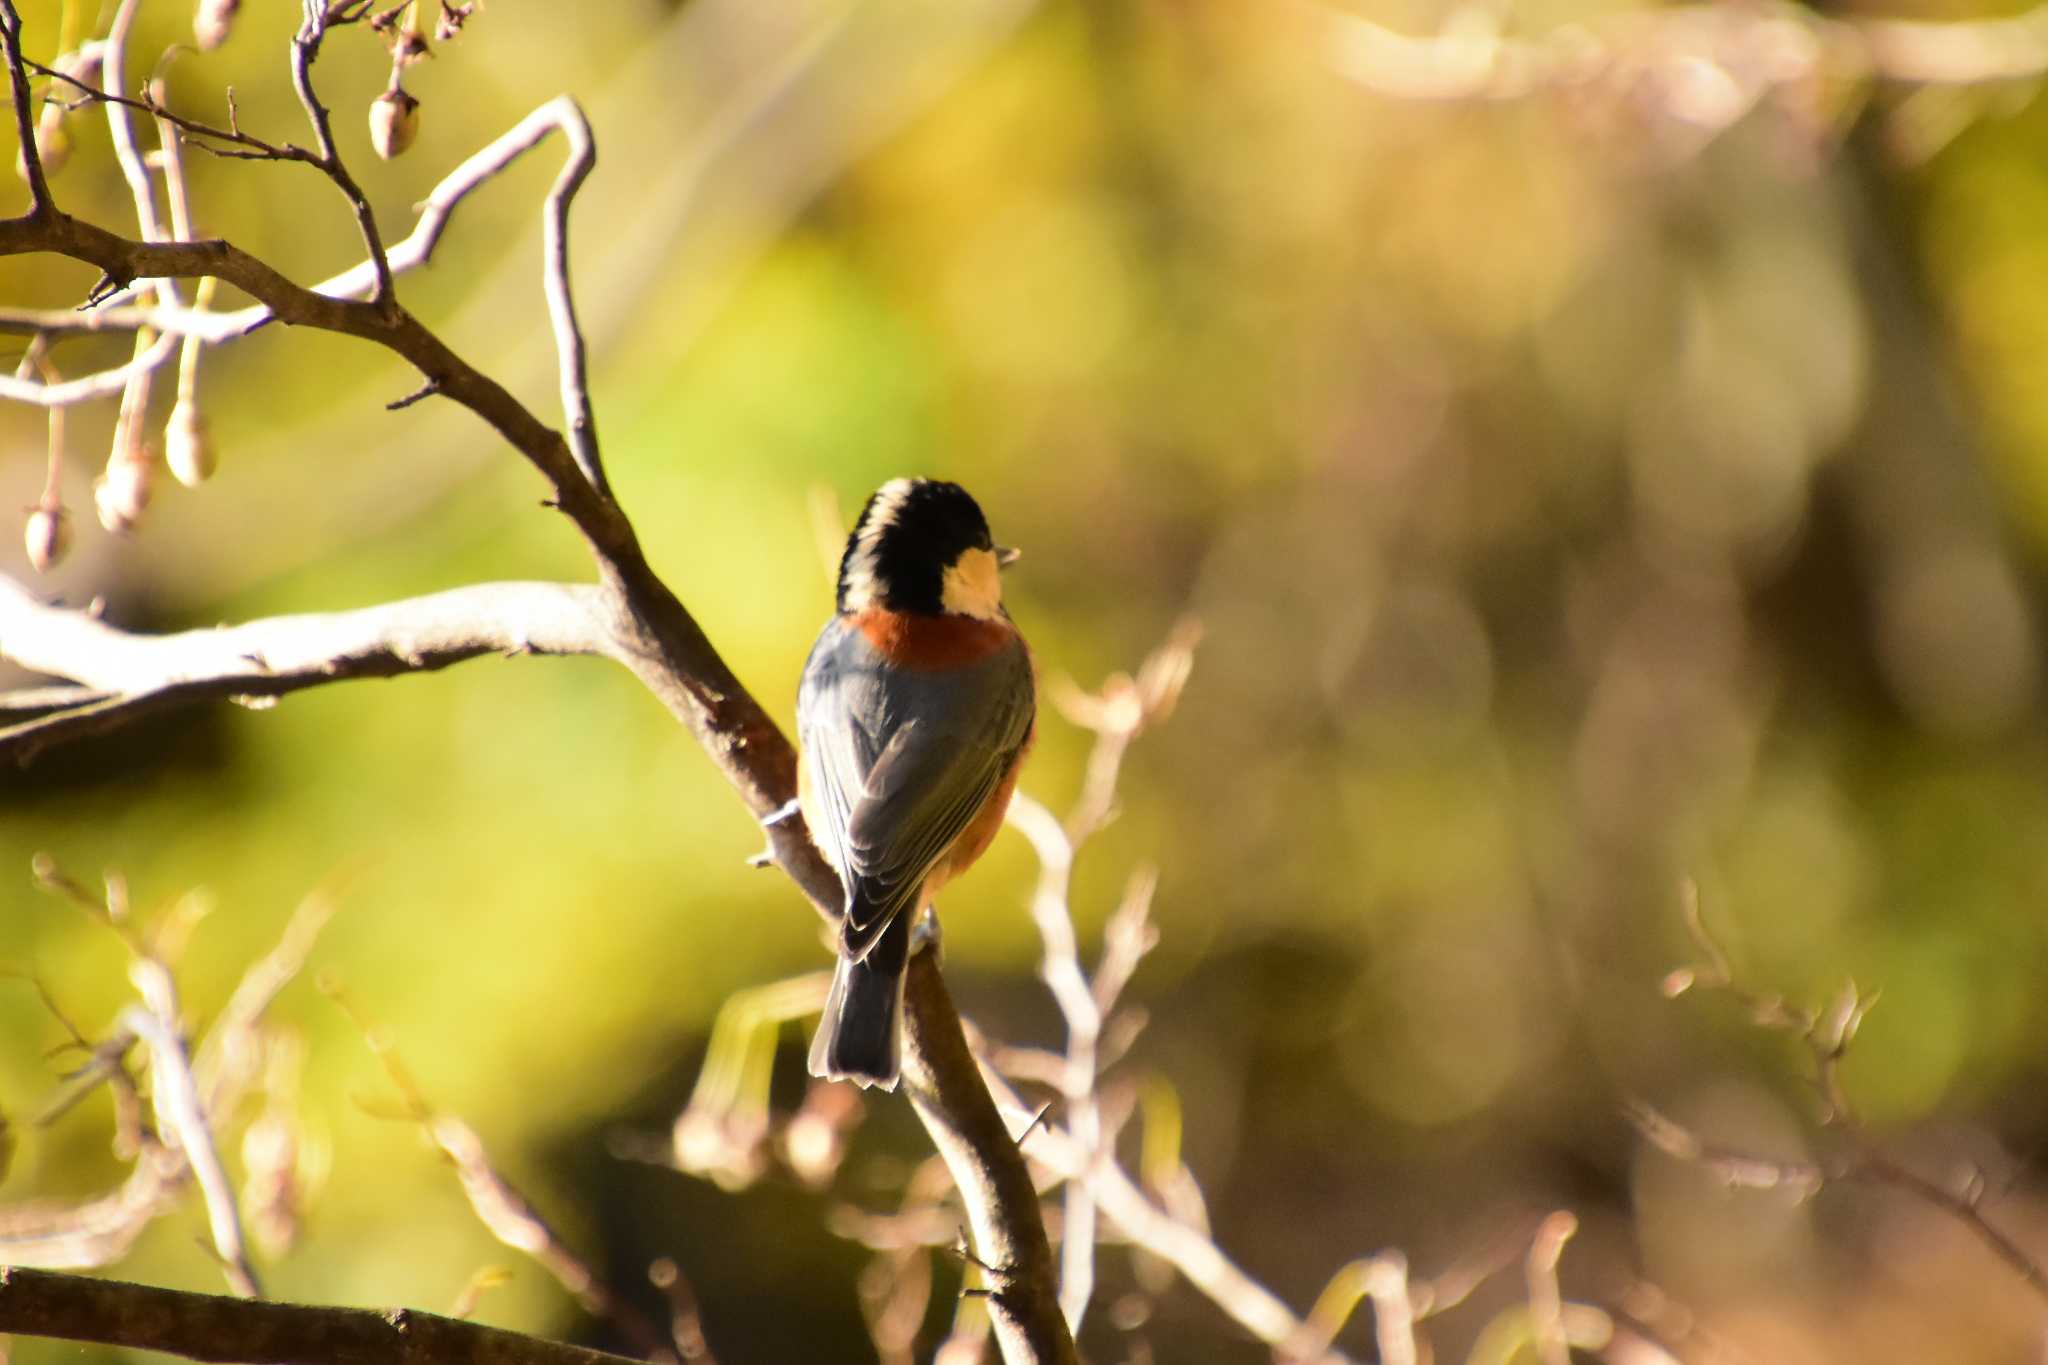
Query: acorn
[
  {"x": 48, "y": 536},
  {"x": 210, "y": 23},
  {"x": 188, "y": 445},
  {"x": 394, "y": 122}
]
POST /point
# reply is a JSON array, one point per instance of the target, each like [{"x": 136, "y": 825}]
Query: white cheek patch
[{"x": 973, "y": 586}]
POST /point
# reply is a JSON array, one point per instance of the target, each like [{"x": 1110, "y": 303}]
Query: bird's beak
[{"x": 1006, "y": 555}]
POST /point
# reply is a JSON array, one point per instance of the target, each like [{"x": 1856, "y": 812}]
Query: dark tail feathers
[{"x": 860, "y": 1035}]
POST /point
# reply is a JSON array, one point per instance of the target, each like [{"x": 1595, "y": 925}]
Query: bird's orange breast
[
  {"x": 922, "y": 642},
  {"x": 981, "y": 830}
]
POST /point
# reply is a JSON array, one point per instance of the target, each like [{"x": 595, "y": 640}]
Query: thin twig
[
  {"x": 154, "y": 106},
  {"x": 41, "y": 205},
  {"x": 1122, "y": 711},
  {"x": 576, "y": 410},
  {"x": 92, "y": 387},
  {"x": 181, "y": 1115},
  {"x": 306, "y": 51},
  {"x": 1826, "y": 1034},
  {"x": 501, "y": 1206},
  {"x": 1546, "y": 1299}
]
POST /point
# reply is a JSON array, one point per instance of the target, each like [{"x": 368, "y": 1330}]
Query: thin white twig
[
  {"x": 1118, "y": 715},
  {"x": 182, "y": 1117},
  {"x": 1393, "y": 1311},
  {"x": 269, "y": 658},
  {"x": 564, "y": 113},
  {"x": 359, "y": 281},
  {"x": 113, "y": 76},
  {"x": 1061, "y": 969},
  {"x": 1136, "y": 1217},
  {"x": 88, "y": 388},
  {"x": 1547, "y": 1324}
]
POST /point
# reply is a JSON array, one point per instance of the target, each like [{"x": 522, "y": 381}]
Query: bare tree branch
[
  {"x": 88, "y": 388},
  {"x": 305, "y": 51},
  {"x": 1188, "y": 1249},
  {"x": 40, "y": 203},
  {"x": 945, "y": 1084},
  {"x": 114, "y": 314},
  {"x": 561, "y": 301},
  {"x": 134, "y": 675},
  {"x": 1117, "y": 715},
  {"x": 215, "y": 1327},
  {"x": 1826, "y": 1033},
  {"x": 501, "y": 1206},
  {"x": 181, "y": 1115}
]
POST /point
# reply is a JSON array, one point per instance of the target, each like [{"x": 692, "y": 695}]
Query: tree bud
[
  {"x": 123, "y": 491},
  {"x": 48, "y": 536},
  {"x": 188, "y": 445},
  {"x": 394, "y": 122},
  {"x": 53, "y": 142},
  {"x": 210, "y": 23}
]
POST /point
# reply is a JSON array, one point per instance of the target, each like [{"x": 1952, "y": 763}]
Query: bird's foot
[
  {"x": 924, "y": 934},
  {"x": 783, "y": 813}
]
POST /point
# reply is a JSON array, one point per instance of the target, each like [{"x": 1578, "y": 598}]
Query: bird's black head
[{"x": 921, "y": 546}]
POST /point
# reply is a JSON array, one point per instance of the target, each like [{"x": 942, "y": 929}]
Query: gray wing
[
  {"x": 905, "y": 767},
  {"x": 836, "y": 747}
]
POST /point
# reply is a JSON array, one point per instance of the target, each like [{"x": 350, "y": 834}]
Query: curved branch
[
  {"x": 114, "y": 313},
  {"x": 214, "y": 1327},
  {"x": 131, "y": 675},
  {"x": 86, "y": 388}
]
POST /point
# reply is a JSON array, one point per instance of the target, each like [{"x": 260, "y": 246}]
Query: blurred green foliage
[{"x": 1569, "y": 513}]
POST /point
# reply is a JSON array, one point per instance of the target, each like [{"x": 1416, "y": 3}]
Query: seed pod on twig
[
  {"x": 188, "y": 445},
  {"x": 53, "y": 137},
  {"x": 394, "y": 122},
  {"x": 48, "y": 535},
  {"x": 211, "y": 22},
  {"x": 122, "y": 493},
  {"x": 53, "y": 142}
]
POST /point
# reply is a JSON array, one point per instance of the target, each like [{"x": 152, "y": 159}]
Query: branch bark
[
  {"x": 945, "y": 1085},
  {"x": 214, "y": 1327},
  {"x": 130, "y": 676}
]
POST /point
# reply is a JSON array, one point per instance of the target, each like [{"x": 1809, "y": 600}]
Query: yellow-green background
[{"x": 1571, "y": 508}]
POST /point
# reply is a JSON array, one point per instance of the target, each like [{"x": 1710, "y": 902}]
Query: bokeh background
[{"x": 1580, "y": 491}]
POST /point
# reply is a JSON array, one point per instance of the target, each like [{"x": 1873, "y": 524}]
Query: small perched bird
[{"x": 916, "y": 710}]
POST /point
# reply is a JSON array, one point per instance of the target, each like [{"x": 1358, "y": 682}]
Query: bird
[{"x": 916, "y": 709}]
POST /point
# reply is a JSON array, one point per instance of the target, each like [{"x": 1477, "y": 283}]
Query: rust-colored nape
[{"x": 921, "y": 641}]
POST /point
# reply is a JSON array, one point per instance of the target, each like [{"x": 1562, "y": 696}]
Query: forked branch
[{"x": 629, "y": 615}]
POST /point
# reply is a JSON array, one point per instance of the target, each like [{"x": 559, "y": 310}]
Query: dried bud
[
  {"x": 210, "y": 23},
  {"x": 408, "y": 47},
  {"x": 48, "y": 536},
  {"x": 123, "y": 491},
  {"x": 53, "y": 142},
  {"x": 453, "y": 17},
  {"x": 53, "y": 138},
  {"x": 394, "y": 122},
  {"x": 271, "y": 1192},
  {"x": 188, "y": 445},
  {"x": 84, "y": 65}
]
